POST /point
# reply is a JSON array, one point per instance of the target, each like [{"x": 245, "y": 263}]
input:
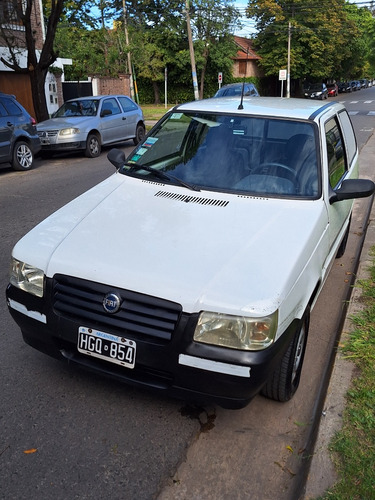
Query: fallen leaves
[{"x": 31, "y": 450}]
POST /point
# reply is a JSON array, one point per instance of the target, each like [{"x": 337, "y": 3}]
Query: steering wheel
[{"x": 278, "y": 169}]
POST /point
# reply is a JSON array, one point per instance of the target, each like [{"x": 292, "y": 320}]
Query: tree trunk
[
  {"x": 37, "y": 81},
  {"x": 156, "y": 92}
]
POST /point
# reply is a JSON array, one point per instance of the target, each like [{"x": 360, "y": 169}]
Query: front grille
[
  {"x": 140, "y": 316},
  {"x": 48, "y": 133}
]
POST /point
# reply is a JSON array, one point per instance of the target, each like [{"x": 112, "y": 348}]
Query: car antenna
[{"x": 243, "y": 82}]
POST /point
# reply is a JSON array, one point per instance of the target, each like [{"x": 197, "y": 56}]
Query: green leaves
[{"x": 328, "y": 39}]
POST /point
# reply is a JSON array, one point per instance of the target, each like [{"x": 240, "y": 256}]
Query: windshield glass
[
  {"x": 78, "y": 108},
  {"x": 262, "y": 156}
]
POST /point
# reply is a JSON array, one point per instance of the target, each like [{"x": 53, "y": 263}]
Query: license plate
[{"x": 106, "y": 346}]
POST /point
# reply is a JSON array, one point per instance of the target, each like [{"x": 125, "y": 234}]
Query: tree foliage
[
  {"x": 157, "y": 33},
  {"x": 326, "y": 37}
]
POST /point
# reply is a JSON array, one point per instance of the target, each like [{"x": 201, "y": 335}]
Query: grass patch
[
  {"x": 353, "y": 447},
  {"x": 153, "y": 112}
]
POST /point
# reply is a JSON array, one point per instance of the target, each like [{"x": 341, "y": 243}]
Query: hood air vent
[{"x": 192, "y": 199}]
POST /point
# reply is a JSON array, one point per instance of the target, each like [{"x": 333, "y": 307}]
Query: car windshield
[
  {"x": 78, "y": 108},
  {"x": 316, "y": 86},
  {"x": 262, "y": 156}
]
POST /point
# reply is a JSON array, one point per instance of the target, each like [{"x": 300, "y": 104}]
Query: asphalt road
[{"x": 66, "y": 434}]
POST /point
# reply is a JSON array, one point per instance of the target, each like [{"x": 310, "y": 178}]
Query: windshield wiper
[{"x": 161, "y": 175}]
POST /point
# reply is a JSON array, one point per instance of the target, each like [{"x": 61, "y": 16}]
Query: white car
[
  {"x": 193, "y": 269},
  {"x": 88, "y": 123}
]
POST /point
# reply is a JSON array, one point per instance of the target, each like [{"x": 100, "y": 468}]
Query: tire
[
  {"x": 140, "y": 132},
  {"x": 93, "y": 146},
  {"x": 342, "y": 247},
  {"x": 23, "y": 157},
  {"x": 284, "y": 381}
]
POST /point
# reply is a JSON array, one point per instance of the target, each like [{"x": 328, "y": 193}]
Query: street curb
[{"x": 322, "y": 474}]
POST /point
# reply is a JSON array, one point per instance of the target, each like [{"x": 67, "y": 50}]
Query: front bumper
[
  {"x": 64, "y": 146},
  {"x": 174, "y": 363}
]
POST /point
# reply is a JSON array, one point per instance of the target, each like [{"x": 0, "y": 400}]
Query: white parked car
[
  {"x": 88, "y": 123},
  {"x": 193, "y": 269}
]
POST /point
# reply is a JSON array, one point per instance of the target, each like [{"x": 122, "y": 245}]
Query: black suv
[{"x": 19, "y": 141}]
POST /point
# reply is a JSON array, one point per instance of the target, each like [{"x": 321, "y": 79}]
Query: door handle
[{"x": 124, "y": 117}]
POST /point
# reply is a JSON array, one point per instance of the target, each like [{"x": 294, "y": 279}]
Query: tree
[
  {"x": 322, "y": 36},
  {"x": 213, "y": 24},
  {"x": 37, "y": 61}
]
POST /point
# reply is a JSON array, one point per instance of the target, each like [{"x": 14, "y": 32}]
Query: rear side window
[
  {"x": 337, "y": 164},
  {"x": 12, "y": 108},
  {"x": 3, "y": 111},
  {"x": 127, "y": 104}
]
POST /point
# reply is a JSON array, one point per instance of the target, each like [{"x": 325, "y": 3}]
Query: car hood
[
  {"x": 69, "y": 121},
  {"x": 204, "y": 250}
]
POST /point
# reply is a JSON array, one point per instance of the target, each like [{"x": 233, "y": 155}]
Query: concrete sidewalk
[{"x": 322, "y": 474}]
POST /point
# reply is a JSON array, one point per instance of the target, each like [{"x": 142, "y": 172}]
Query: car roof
[
  {"x": 280, "y": 107},
  {"x": 228, "y": 85},
  {"x": 89, "y": 97}
]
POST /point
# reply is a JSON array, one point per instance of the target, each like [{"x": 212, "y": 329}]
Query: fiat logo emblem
[{"x": 111, "y": 303}]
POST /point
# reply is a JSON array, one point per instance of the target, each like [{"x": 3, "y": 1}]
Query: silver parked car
[{"x": 87, "y": 123}]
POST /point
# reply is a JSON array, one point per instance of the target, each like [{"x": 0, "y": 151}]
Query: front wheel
[
  {"x": 284, "y": 381},
  {"x": 139, "y": 134},
  {"x": 22, "y": 156},
  {"x": 93, "y": 146}
]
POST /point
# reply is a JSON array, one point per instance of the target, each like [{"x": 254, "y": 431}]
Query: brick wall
[
  {"x": 106, "y": 86},
  {"x": 13, "y": 29}
]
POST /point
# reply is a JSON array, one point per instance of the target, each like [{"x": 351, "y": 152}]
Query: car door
[
  {"x": 341, "y": 159},
  {"x": 112, "y": 121},
  {"x": 6, "y": 131}
]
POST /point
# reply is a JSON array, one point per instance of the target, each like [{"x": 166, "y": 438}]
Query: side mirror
[
  {"x": 116, "y": 157},
  {"x": 105, "y": 112},
  {"x": 353, "y": 188}
]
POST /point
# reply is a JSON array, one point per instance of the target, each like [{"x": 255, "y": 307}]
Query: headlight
[
  {"x": 26, "y": 277},
  {"x": 69, "y": 131},
  {"x": 236, "y": 332}
]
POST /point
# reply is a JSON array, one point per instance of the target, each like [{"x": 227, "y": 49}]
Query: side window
[
  {"x": 112, "y": 105},
  {"x": 12, "y": 107},
  {"x": 347, "y": 128},
  {"x": 3, "y": 111},
  {"x": 337, "y": 164},
  {"x": 127, "y": 104}
]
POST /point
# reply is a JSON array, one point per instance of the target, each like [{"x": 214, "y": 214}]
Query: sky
[{"x": 249, "y": 26}]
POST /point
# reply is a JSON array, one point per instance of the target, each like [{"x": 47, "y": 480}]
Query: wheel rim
[
  {"x": 24, "y": 156},
  {"x": 299, "y": 353},
  {"x": 94, "y": 146}
]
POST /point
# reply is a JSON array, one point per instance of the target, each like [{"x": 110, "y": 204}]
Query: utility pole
[
  {"x": 288, "y": 68},
  {"x": 127, "y": 45},
  {"x": 191, "y": 49}
]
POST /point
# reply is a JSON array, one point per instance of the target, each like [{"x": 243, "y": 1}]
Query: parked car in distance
[
  {"x": 333, "y": 89},
  {"x": 355, "y": 85},
  {"x": 345, "y": 87},
  {"x": 317, "y": 91},
  {"x": 364, "y": 83},
  {"x": 235, "y": 89},
  {"x": 88, "y": 123},
  {"x": 193, "y": 269},
  {"x": 19, "y": 141}
]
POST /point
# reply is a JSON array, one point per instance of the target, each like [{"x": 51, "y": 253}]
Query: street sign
[{"x": 282, "y": 74}]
